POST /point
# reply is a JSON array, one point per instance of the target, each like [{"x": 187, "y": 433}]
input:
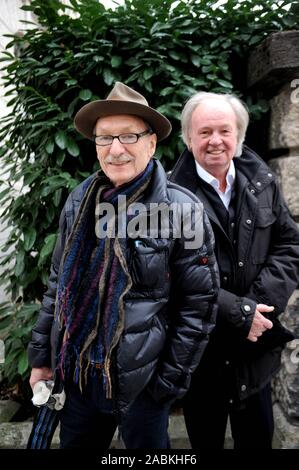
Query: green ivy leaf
[
  {"x": 20, "y": 265},
  {"x": 23, "y": 362},
  {"x": 255, "y": 40},
  {"x": 29, "y": 238},
  {"x": 85, "y": 95},
  {"x": 224, "y": 83},
  {"x": 71, "y": 82},
  {"x": 48, "y": 247},
  {"x": 148, "y": 73},
  {"x": 57, "y": 197},
  {"x": 166, "y": 91},
  {"x": 116, "y": 60},
  {"x": 49, "y": 146},
  {"x": 4, "y": 192},
  {"x": 72, "y": 147},
  {"x": 60, "y": 157},
  {"x": 195, "y": 59},
  {"x": 29, "y": 278},
  {"x": 108, "y": 77},
  {"x": 5, "y": 321},
  {"x": 61, "y": 139},
  {"x": 174, "y": 55}
]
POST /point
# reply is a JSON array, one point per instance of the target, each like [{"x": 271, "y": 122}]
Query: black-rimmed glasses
[{"x": 129, "y": 138}]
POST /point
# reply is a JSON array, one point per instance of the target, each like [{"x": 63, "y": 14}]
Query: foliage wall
[{"x": 165, "y": 49}]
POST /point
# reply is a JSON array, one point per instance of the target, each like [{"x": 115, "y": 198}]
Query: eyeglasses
[{"x": 129, "y": 138}]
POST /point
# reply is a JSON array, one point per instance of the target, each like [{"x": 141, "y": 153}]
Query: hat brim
[{"x": 88, "y": 115}]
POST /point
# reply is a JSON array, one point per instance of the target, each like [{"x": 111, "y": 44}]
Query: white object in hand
[{"x": 42, "y": 392}]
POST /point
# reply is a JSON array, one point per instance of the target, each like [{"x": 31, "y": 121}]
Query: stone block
[
  {"x": 8, "y": 408},
  {"x": 287, "y": 170},
  {"x": 287, "y": 434},
  {"x": 286, "y": 382},
  {"x": 284, "y": 122},
  {"x": 14, "y": 435},
  {"x": 274, "y": 62}
]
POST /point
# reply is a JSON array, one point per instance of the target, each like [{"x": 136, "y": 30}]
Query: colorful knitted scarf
[{"x": 93, "y": 281}]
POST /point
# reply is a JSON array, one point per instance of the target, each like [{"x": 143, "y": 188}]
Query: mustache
[{"x": 124, "y": 158}]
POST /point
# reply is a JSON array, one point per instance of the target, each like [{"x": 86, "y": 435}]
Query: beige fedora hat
[{"x": 121, "y": 100}]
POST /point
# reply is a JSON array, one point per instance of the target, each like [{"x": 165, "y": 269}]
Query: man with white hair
[{"x": 257, "y": 249}]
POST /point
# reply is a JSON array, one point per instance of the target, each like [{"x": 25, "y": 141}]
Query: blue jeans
[
  {"x": 146, "y": 423},
  {"x": 86, "y": 421}
]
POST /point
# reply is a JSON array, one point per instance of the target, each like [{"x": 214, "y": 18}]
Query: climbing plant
[{"x": 73, "y": 54}]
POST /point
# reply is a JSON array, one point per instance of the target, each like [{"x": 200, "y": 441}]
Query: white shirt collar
[
  {"x": 206, "y": 176},
  {"x": 210, "y": 179}
]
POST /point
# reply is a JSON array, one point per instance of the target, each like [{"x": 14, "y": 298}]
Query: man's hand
[
  {"x": 40, "y": 373},
  {"x": 260, "y": 323}
]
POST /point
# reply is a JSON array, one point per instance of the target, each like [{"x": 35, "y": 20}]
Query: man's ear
[{"x": 153, "y": 144}]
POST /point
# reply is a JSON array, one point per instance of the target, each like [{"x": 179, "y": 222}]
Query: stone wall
[
  {"x": 273, "y": 69},
  {"x": 284, "y": 137}
]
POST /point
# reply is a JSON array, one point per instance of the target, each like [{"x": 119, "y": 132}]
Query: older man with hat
[{"x": 127, "y": 314}]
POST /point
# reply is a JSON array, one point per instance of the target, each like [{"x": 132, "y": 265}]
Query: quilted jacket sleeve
[
  {"x": 193, "y": 314},
  {"x": 39, "y": 349}
]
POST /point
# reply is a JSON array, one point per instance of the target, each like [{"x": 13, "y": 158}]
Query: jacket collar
[
  {"x": 254, "y": 169},
  {"x": 157, "y": 189}
]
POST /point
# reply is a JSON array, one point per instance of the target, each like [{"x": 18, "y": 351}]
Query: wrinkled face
[
  {"x": 123, "y": 162},
  {"x": 213, "y": 136}
]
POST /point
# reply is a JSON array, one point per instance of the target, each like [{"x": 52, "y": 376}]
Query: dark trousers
[
  {"x": 206, "y": 411},
  {"x": 87, "y": 421}
]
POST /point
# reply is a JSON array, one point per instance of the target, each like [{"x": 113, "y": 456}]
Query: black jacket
[
  {"x": 260, "y": 266},
  {"x": 169, "y": 311}
]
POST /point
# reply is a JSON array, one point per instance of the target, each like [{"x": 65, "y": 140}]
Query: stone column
[{"x": 273, "y": 69}]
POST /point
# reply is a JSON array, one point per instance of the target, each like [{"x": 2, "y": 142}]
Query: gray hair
[{"x": 236, "y": 104}]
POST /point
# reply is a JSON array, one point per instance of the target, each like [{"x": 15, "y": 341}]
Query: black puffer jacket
[
  {"x": 262, "y": 266},
  {"x": 169, "y": 311}
]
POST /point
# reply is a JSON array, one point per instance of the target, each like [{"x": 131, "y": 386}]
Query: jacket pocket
[
  {"x": 264, "y": 217},
  {"x": 149, "y": 265},
  {"x": 262, "y": 234}
]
